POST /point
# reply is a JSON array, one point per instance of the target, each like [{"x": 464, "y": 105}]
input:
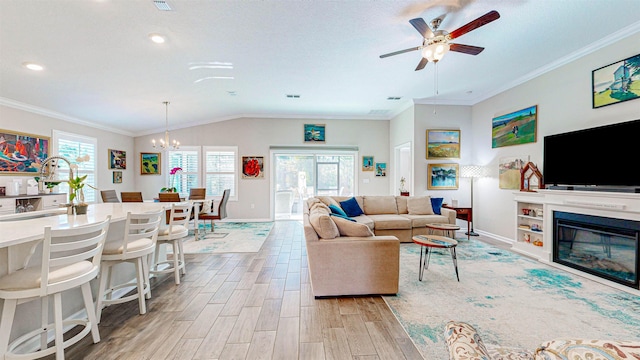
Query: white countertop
[{"x": 14, "y": 232}]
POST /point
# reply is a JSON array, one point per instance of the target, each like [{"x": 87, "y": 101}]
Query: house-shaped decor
[{"x": 528, "y": 171}]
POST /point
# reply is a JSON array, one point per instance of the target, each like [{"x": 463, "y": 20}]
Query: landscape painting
[
  {"x": 150, "y": 163},
  {"x": 22, "y": 153},
  {"x": 443, "y": 144},
  {"x": 367, "y": 163},
  {"x": 616, "y": 82},
  {"x": 381, "y": 169},
  {"x": 509, "y": 172},
  {"x": 518, "y": 127},
  {"x": 442, "y": 176}
]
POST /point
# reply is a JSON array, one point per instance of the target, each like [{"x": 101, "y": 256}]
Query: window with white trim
[
  {"x": 221, "y": 170},
  {"x": 188, "y": 159},
  {"x": 71, "y": 146}
]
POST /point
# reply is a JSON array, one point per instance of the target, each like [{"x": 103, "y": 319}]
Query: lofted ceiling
[{"x": 228, "y": 59}]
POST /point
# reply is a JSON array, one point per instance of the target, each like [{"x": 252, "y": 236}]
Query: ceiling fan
[{"x": 436, "y": 42}]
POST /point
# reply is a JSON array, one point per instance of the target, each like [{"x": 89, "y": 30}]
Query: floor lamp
[{"x": 472, "y": 172}]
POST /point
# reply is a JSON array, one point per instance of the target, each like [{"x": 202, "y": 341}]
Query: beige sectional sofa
[{"x": 363, "y": 256}]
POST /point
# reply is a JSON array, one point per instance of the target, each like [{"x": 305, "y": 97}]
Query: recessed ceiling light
[
  {"x": 157, "y": 38},
  {"x": 32, "y": 66}
]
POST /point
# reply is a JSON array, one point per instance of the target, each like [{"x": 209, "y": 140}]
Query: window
[
  {"x": 72, "y": 146},
  {"x": 221, "y": 170},
  {"x": 186, "y": 158}
]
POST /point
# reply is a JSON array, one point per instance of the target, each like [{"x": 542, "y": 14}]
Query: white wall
[
  {"x": 563, "y": 97},
  {"x": 32, "y": 123},
  {"x": 254, "y": 138}
]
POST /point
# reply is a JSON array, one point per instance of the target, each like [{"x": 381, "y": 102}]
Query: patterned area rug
[
  {"x": 510, "y": 299},
  {"x": 229, "y": 237}
]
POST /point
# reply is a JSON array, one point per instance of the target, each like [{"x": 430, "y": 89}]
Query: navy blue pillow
[
  {"x": 343, "y": 217},
  {"x": 351, "y": 207},
  {"x": 436, "y": 204},
  {"x": 337, "y": 210}
]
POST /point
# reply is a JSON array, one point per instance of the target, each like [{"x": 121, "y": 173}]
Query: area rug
[
  {"x": 229, "y": 237},
  {"x": 510, "y": 299}
]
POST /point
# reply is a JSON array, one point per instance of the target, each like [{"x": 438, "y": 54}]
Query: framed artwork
[
  {"x": 150, "y": 164},
  {"x": 616, "y": 83},
  {"x": 381, "y": 169},
  {"x": 314, "y": 133},
  {"x": 367, "y": 163},
  {"x": 518, "y": 127},
  {"x": 117, "y": 159},
  {"x": 253, "y": 167},
  {"x": 21, "y": 153},
  {"x": 443, "y": 176},
  {"x": 509, "y": 172},
  {"x": 443, "y": 144},
  {"x": 117, "y": 177}
]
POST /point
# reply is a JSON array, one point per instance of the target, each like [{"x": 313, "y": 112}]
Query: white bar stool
[
  {"x": 173, "y": 235},
  {"x": 136, "y": 247},
  {"x": 70, "y": 259}
]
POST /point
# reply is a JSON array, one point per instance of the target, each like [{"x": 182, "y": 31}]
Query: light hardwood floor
[{"x": 249, "y": 306}]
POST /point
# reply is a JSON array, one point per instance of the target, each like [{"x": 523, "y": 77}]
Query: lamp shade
[{"x": 472, "y": 171}]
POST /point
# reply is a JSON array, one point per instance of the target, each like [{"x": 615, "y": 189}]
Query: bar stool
[
  {"x": 172, "y": 235},
  {"x": 70, "y": 259},
  {"x": 136, "y": 247}
]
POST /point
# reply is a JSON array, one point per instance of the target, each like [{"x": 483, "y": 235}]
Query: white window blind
[
  {"x": 188, "y": 159},
  {"x": 221, "y": 170},
  {"x": 72, "y": 146}
]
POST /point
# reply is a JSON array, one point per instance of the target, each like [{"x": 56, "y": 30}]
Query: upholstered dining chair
[
  {"x": 169, "y": 197},
  {"x": 172, "y": 235},
  {"x": 70, "y": 259},
  {"x": 109, "y": 196},
  {"x": 135, "y": 196},
  {"x": 136, "y": 246},
  {"x": 220, "y": 214}
]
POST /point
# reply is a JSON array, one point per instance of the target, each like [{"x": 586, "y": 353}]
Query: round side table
[
  {"x": 449, "y": 230},
  {"x": 427, "y": 242}
]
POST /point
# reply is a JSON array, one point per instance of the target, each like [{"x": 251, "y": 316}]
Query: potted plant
[
  {"x": 172, "y": 174},
  {"x": 75, "y": 192},
  {"x": 403, "y": 192}
]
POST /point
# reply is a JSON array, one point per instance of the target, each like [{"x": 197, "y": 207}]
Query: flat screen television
[{"x": 605, "y": 156}]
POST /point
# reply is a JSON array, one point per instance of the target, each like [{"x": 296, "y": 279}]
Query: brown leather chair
[
  {"x": 109, "y": 196},
  {"x": 135, "y": 196},
  {"x": 169, "y": 197},
  {"x": 222, "y": 210},
  {"x": 197, "y": 193}
]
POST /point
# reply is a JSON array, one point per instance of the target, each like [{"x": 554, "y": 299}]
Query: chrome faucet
[{"x": 41, "y": 180}]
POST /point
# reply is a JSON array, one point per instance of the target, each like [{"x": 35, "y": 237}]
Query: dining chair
[
  {"x": 70, "y": 259},
  {"x": 169, "y": 197},
  {"x": 109, "y": 196},
  {"x": 135, "y": 196},
  {"x": 220, "y": 214},
  {"x": 173, "y": 235},
  {"x": 136, "y": 246},
  {"x": 197, "y": 193}
]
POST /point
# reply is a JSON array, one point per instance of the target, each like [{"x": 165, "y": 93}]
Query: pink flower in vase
[{"x": 172, "y": 174}]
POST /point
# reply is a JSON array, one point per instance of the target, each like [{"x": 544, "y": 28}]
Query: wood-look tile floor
[{"x": 249, "y": 306}]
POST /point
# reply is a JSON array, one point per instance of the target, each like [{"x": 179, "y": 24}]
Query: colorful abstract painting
[
  {"x": 150, "y": 163},
  {"x": 314, "y": 132},
  {"x": 22, "y": 153},
  {"x": 253, "y": 167},
  {"x": 117, "y": 159}
]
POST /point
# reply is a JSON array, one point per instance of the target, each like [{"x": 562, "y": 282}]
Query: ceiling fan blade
[
  {"x": 423, "y": 62},
  {"x": 482, "y": 20},
  {"x": 400, "y": 52},
  {"x": 466, "y": 49},
  {"x": 422, "y": 27}
]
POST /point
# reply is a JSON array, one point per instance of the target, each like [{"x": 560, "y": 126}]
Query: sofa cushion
[
  {"x": 375, "y": 205},
  {"x": 401, "y": 203},
  {"x": 419, "y": 205},
  {"x": 322, "y": 222},
  {"x": 336, "y": 209},
  {"x": 342, "y": 217},
  {"x": 352, "y": 228},
  {"x": 423, "y": 220},
  {"x": 436, "y": 205},
  {"x": 390, "y": 222},
  {"x": 588, "y": 349},
  {"x": 364, "y": 219},
  {"x": 351, "y": 207},
  {"x": 328, "y": 200}
]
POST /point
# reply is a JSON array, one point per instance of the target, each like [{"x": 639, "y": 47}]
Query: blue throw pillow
[
  {"x": 337, "y": 210},
  {"x": 343, "y": 217},
  {"x": 351, "y": 207},
  {"x": 436, "y": 204}
]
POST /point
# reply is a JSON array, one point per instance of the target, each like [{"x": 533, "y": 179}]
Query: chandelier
[{"x": 165, "y": 144}]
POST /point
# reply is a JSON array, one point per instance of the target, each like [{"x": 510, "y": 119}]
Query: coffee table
[
  {"x": 427, "y": 242},
  {"x": 449, "y": 230}
]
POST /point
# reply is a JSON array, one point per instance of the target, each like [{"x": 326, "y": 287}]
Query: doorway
[{"x": 404, "y": 164}]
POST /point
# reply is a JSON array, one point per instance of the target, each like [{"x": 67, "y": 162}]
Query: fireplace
[{"x": 601, "y": 246}]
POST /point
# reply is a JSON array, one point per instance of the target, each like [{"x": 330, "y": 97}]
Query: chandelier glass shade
[
  {"x": 165, "y": 143},
  {"x": 434, "y": 52}
]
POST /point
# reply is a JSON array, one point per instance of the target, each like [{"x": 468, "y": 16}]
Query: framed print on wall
[
  {"x": 150, "y": 164},
  {"x": 117, "y": 177},
  {"x": 367, "y": 163},
  {"x": 616, "y": 82},
  {"x": 381, "y": 169},
  {"x": 443, "y": 176},
  {"x": 314, "y": 132},
  {"x": 21, "y": 153},
  {"x": 516, "y": 128},
  {"x": 117, "y": 159},
  {"x": 509, "y": 172},
  {"x": 253, "y": 167},
  {"x": 443, "y": 144}
]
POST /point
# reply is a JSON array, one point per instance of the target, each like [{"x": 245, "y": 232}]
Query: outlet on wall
[{"x": 253, "y": 206}]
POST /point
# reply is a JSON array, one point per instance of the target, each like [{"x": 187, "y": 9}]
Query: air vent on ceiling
[
  {"x": 394, "y": 98},
  {"x": 293, "y": 96},
  {"x": 162, "y": 5}
]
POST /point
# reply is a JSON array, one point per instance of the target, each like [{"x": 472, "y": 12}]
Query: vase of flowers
[
  {"x": 403, "y": 192},
  {"x": 76, "y": 186},
  {"x": 172, "y": 174}
]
